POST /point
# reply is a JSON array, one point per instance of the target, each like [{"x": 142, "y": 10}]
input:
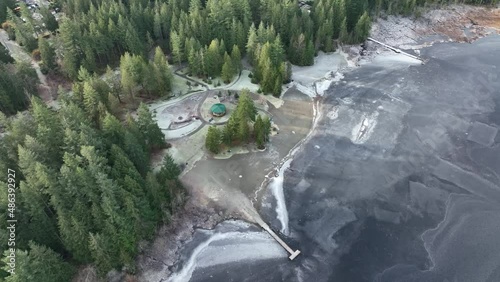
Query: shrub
[
  {"x": 259, "y": 91},
  {"x": 35, "y": 54},
  {"x": 253, "y": 80},
  {"x": 43, "y": 68},
  {"x": 188, "y": 83},
  {"x": 250, "y": 75},
  {"x": 9, "y": 28}
]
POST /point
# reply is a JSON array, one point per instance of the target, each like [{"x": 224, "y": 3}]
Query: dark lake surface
[{"x": 399, "y": 182}]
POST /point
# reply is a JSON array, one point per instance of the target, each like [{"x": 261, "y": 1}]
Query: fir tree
[
  {"x": 71, "y": 50},
  {"x": 266, "y": 128},
  {"x": 243, "y": 128},
  {"x": 101, "y": 254},
  {"x": 236, "y": 57},
  {"x": 228, "y": 69},
  {"x": 40, "y": 264},
  {"x": 149, "y": 128},
  {"x": 277, "y": 86},
  {"x": 163, "y": 72},
  {"x": 362, "y": 28},
  {"x": 212, "y": 141},
  {"x": 4, "y": 55},
  {"x": 157, "y": 195},
  {"x": 213, "y": 59},
  {"x": 252, "y": 43},
  {"x": 259, "y": 134},
  {"x": 227, "y": 135},
  {"x": 246, "y": 106},
  {"x": 177, "y": 48},
  {"x": 169, "y": 170},
  {"x": 132, "y": 70},
  {"x": 49, "y": 20},
  {"x": 112, "y": 129},
  {"x": 344, "y": 35},
  {"x": 4, "y": 6},
  {"x": 90, "y": 100},
  {"x": 136, "y": 152},
  {"x": 47, "y": 53}
]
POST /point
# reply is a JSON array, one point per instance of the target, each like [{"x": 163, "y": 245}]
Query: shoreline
[
  {"x": 290, "y": 154},
  {"x": 212, "y": 220},
  {"x": 204, "y": 208}
]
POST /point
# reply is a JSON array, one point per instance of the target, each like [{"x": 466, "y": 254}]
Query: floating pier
[
  {"x": 293, "y": 254},
  {"x": 396, "y": 49}
]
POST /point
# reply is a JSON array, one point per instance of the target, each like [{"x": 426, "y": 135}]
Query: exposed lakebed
[{"x": 414, "y": 197}]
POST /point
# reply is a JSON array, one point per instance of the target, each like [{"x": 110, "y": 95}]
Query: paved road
[{"x": 18, "y": 53}]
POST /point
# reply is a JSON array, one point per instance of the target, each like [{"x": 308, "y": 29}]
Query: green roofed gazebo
[{"x": 218, "y": 110}]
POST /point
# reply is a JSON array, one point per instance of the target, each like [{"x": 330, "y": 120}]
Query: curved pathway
[
  {"x": 18, "y": 53},
  {"x": 206, "y": 86},
  {"x": 176, "y": 72},
  {"x": 204, "y": 122},
  {"x": 207, "y": 92}
]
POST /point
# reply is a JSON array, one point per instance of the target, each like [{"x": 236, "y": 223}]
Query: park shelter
[{"x": 218, "y": 110}]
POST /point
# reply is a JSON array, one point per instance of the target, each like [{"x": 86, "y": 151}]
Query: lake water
[{"x": 399, "y": 182}]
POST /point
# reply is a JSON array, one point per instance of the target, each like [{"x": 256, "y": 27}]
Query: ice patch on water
[
  {"x": 306, "y": 90},
  {"x": 324, "y": 84},
  {"x": 363, "y": 130},
  {"x": 333, "y": 114},
  {"x": 276, "y": 186},
  {"x": 229, "y": 247},
  {"x": 392, "y": 60}
]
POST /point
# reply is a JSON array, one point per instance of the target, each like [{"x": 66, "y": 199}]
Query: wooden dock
[{"x": 293, "y": 254}]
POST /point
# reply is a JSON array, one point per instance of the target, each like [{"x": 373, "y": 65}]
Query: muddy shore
[
  {"x": 210, "y": 199},
  {"x": 221, "y": 189}
]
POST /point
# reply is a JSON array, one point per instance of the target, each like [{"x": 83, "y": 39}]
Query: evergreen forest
[{"x": 86, "y": 191}]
